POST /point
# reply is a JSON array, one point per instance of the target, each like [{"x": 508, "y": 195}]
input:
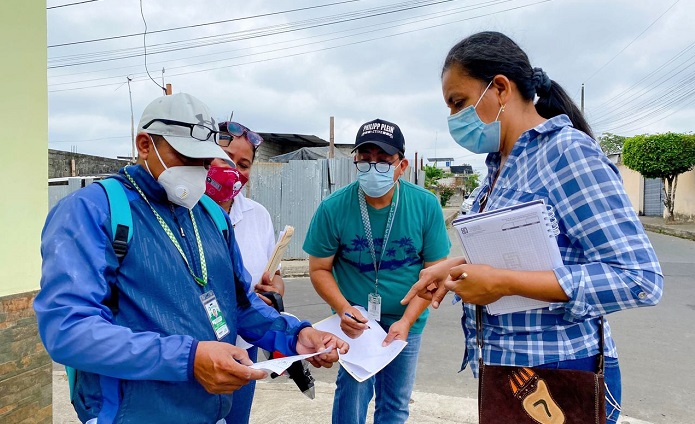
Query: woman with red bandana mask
[{"x": 253, "y": 227}]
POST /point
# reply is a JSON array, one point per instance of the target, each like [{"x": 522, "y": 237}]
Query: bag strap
[
  {"x": 121, "y": 217},
  {"x": 217, "y": 214},
  {"x": 480, "y": 342}
]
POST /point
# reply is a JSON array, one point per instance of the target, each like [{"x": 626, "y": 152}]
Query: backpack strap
[
  {"x": 121, "y": 217},
  {"x": 121, "y": 224},
  {"x": 217, "y": 215}
]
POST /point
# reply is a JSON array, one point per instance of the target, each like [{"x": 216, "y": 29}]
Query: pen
[{"x": 353, "y": 317}]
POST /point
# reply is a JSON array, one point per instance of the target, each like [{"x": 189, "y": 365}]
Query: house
[
  {"x": 647, "y": 194},
  {"x": 275, "y": 144}
]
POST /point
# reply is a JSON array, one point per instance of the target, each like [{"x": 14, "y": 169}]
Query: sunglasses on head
[{"x": 238, "y": 130}]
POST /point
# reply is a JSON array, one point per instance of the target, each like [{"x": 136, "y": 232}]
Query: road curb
[{"x": 669, "y": 231}]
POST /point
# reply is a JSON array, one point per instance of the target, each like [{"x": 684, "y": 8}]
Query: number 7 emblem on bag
[{"x": 535, "y": 397}]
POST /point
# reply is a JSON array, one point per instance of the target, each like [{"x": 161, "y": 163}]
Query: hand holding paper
[
  {"x": 278, "y": 366},
  {"x": 367, "y": 355}
]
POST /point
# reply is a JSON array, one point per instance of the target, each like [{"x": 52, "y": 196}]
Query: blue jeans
[
  {"x": 243, "y": 398},
  {"x": 392, "y": 386},
  {"x": 611, "y": 376}
]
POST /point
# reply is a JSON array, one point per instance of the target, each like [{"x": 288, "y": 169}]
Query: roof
[
  {"x": 299, "y": 140},
  {"x": 462, "y": 169},
  {"x": 308, "y": 153},
  {"x": 440, "y": 159}
]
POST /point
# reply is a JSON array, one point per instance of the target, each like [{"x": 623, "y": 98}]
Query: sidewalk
[{"x": 657, "y": 224}]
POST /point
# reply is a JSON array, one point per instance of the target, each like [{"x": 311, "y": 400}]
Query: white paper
[
  {"x": 278, "y": 366},
  {"x": 366, "y": 355},
  {"x": 512, "y": 238}
]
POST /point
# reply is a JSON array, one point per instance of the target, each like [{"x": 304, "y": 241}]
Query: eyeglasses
[
  {"x": 238, "y": 130},
  {"x": 365, "y": 166},
  {"x": 198, "y": 131}
]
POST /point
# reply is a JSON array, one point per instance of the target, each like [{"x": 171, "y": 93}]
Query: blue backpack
[{"x": 121, "y": 234}]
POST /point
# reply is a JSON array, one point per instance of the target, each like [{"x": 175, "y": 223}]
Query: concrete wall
[
  {"x": 634, "y": 186},
  {"x": 685, "y": 197},
  {"x": 67, "y": 164},
  {"x": 25, "y": 368},
  {"x": 685, "y": 192},
  {"x": 267, "y": 151}
]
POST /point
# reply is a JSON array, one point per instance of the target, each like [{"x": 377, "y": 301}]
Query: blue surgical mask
[
  {"x": 376, "y": 184},
  {"x": 469, "y": 132}
]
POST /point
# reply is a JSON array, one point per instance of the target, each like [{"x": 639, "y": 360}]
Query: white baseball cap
[{"x": 183, "y": 121}]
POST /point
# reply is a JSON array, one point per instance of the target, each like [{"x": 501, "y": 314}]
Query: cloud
[{"x": 380, "y": 74}]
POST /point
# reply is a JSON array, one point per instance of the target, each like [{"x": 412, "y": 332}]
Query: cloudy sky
[{"x": 287, "y": 66}]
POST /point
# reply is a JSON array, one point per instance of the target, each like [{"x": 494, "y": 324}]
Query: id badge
[
  {"x": 374, "y": 307},
  {"x": 212, "y": 308}
]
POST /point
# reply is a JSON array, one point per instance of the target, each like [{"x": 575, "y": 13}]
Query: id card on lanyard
[
  {"x": 214, "y": 313},
  {"x": 374, "y": 299}
]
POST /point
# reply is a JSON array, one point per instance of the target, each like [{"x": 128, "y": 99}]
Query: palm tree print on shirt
[{"x": 399, "y": 253}]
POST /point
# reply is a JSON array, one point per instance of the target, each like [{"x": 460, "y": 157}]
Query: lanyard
[
  {"x": 368, "y": 232},
  {"x": 202, "y": 281}
]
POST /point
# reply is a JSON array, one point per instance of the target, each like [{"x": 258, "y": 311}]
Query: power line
[
  {"x": 630, "y": 43},
  {"x": 316, "y": 50},
  {"x": 257, "y": 33},
  {"x": 71, "y": 4},
  {"x": 382, "y": 27},
  {"x": 263, "y": 15}
]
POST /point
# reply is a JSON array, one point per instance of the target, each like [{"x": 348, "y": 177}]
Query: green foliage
[
  {"x": 611, "y": 143},
  {"x": 663, "y": 156},
  {"x": 471, "y": 182},
  {"x": 660, "y": 155},
  {"x": 445, "y": 193},
  {"x": 432, "y": 174}
]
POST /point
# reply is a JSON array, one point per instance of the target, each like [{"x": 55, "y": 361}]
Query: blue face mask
[
  {"x": 469, "y": 132},
  {"x": 376, "y": 184}
]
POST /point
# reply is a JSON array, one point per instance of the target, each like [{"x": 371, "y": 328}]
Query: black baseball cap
[{"x": 381, "y": 133}]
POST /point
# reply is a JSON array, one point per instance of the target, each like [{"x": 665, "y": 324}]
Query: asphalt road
[{"x": 656, "y": 345}]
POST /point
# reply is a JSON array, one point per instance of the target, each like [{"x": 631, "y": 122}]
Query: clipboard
[{"x": 279, "y": 251}]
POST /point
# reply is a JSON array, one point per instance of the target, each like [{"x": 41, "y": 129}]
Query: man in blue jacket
[{"x": 152, "y": 335}]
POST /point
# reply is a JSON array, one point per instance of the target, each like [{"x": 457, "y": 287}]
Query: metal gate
[{"x": 653, "y": 197}]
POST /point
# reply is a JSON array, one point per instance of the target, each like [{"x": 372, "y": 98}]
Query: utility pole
[
  {"x": 582, "y": 99},
  {"x": 331, "y": 145},
  {"x": 163, "y": 85},
  {"x": 132, "y": 122},
  {"x": 415, "y": 168}
]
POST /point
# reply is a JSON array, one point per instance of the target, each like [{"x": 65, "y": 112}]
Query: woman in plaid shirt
[{"x": 542, "y": 151}]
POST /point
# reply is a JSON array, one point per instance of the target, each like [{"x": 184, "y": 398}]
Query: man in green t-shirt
[{"x": 367, "y": 244}]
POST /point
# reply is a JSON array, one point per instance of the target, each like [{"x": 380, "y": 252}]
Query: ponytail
[{"x": 486, "y": 54}]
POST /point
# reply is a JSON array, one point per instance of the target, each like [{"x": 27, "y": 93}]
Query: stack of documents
[
  {"x": 520, "y": 237},
  {"x": 366, "y": 356}
]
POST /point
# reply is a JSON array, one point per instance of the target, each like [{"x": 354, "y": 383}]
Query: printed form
[
  {"x": 366, "y": 356},
  {"x": 517, "y": 238}
]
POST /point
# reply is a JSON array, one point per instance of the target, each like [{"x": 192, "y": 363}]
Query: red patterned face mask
[{"x": 223, "y": 184}]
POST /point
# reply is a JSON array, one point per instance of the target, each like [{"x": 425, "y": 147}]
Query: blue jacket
[{"x": 136, "y": 366}]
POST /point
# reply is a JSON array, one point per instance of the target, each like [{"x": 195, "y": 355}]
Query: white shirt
[
  {"x": 253, "y": 230},
  {"x": 254, "y": 234}
]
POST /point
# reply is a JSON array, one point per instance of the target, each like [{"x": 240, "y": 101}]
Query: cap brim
[
  {"x": 192, "y": 148},
  {"x": 389, "y": 149}
]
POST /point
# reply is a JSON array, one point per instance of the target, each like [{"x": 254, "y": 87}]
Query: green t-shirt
[{"x": 418, "y": 235}]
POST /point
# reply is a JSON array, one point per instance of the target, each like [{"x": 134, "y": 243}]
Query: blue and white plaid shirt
[{"x": 610, "y": 264}]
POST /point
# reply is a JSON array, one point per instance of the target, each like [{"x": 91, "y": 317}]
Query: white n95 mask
[{"x": 184, "y": 185}]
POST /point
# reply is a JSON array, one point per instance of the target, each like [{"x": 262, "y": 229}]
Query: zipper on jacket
[{"x": 176, "y": 219}]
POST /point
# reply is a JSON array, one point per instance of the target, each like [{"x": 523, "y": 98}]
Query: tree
[
  {"x": 432, "y": 174},
  {"x": 471, "y": 182},
  {"x": 662, "y": 156},
  {"x": 445, "y": 193},
  {"x": 611, "y": 143}
]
